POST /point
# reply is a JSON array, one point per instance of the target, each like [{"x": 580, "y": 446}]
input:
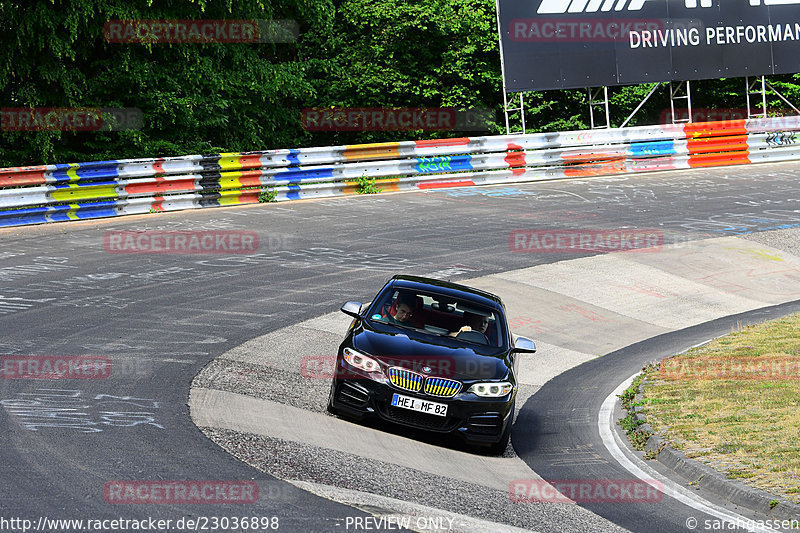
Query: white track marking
[{"x": 615, "y": 446}]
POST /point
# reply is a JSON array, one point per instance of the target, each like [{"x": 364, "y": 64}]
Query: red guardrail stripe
[
  {"x": 515, "y": 159},
  {"x": 16, "y": 176},
  {"x": 160, "y": 187}
]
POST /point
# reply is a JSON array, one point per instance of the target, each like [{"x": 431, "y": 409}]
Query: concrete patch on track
[
  {"x": 733, "y": 265},
  {"x": 548, "y": 362},
  {"x": 553, "y": 317},
  {"x": 635, "y": 290},
  {"x": 226, "y": 410},
  {"x": 281, "y": 348},
  {"x": 575, "y": 310}
]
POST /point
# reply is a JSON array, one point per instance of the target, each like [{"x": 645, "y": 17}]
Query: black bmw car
[{"x": 431, "y": 355}]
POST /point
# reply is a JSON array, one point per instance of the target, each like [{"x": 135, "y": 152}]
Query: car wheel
[{"x": 499, "y": 447}]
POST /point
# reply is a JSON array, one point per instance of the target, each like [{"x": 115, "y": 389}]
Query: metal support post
[
  {"x": 779, "y": 95},
  {"x": 594, "y": 101},
  {"x": 756, "y": 87},
  {"x": 675, "y": 94},
  {"x": 508, "y": 106},
  {"x": 641, "y": 104}
]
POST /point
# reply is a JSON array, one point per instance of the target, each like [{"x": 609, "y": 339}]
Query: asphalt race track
[
  {"x": 573, "y": 390},
  {"x": 161, "y": 318}
]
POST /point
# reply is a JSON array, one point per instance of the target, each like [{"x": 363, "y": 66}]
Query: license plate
[{"x": 422, "y": 406}]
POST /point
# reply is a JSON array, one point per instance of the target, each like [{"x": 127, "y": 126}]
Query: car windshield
[{"x": 440, "y": 315}]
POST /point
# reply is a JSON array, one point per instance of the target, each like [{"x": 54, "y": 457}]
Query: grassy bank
[{"x": 734, "y": 404}]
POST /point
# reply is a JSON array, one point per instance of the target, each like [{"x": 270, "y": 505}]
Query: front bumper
[{"x": 477, "y": 420}]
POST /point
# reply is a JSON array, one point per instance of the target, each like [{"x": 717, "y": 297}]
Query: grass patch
[
  {"x": 735, "y": 404},
  {"x": 739, "y": 473},
  {"x": 637, "y": 437},
  {"x": 631, "y": 425}
]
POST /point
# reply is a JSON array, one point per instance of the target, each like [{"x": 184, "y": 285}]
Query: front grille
[
  {"x": 412, "y": 381},
  {"x": 405, "y": 379},
  {"x": 444, "y": 388}
]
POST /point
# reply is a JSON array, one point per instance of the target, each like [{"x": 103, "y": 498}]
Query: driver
[
  {"x": 474, "y": 322},
  {"x": 404, "y": 311}
]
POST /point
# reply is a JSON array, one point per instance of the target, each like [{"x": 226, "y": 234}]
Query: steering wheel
[{"x": 473, "y": 336}]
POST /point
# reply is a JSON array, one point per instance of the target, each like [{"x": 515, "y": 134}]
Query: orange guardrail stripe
[
  {"x": 719, "y": 159},
  {"x": 712, "y": 129},
  {"x": 612, "y": 167},
  {"x": 717, "y": 144},
  {"x": 363, "y": 152},
  {"x": 442, "y": 142}
]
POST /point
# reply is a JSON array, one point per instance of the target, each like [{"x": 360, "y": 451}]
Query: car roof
[{"x": 448, "y": 288}]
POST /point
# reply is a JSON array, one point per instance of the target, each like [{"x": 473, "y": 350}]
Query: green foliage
[
  {"x": 267, "y": 195},
  {"x": 366, "y": 185},
  {"x": 195, "y": 98},
  {"x": 637, "y": 437},
  {"x": 628, "y": 395},
  {"x": 395, "y": 53},
  {"x": 631, "y": 424}
]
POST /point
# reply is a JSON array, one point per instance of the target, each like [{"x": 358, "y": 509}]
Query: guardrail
[{"x": 78, "y": 191}]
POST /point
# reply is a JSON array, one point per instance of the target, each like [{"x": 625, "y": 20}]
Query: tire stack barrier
[{"x": 79, "y": 191}]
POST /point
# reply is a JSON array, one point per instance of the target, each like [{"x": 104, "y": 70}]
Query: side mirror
[
  {"x": 524, "y": 345},
  {"x": 353, "y": 309}
]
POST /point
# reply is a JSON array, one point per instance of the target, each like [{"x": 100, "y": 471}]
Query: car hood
[{"x": 434, "y": 356}]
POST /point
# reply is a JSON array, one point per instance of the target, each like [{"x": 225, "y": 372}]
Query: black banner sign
[{"x": 562, "y": 44}]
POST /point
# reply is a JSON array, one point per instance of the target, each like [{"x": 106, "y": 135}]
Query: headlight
[
  {"x": 492, "y": 390},
  {"x": 361, "y": 361}
]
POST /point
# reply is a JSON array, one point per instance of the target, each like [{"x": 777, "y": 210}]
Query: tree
[{"x": 195, "y": 97}]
